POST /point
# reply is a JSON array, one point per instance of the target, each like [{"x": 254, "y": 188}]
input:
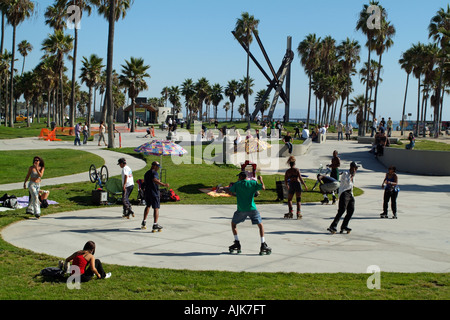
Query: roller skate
[
  {"x": 299, "y": 215},
  {"x": 144, "y": 225},
  {"x": 265, "y": 250},
  {"x": 157, "y": 228},
  {"x": 384, "y": 215},
  {"x": 394, "y": 216},
  {"x": 325, "y": 201},
  {"x": 289, "y": 215},
  {"x": 332, "y": 230},
  {"x": 334, "y": 200},
  {"x": 235, "y": 248},
  {"x": 347, "y": 230}
]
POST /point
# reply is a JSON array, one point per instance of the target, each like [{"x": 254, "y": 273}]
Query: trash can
[{"x": 99, "y": 197}]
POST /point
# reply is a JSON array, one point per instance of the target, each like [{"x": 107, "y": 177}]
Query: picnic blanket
[
  {"x": 23, "y": 202},
  {"x": 212, "y": 193}
]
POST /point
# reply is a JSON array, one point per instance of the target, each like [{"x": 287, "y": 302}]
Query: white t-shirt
[{"x": 126, "y": 171}]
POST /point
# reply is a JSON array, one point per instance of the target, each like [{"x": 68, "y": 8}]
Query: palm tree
[
  {"x": 308, "y": 50},
  {"x": 357, "y": 107},
  {"x": 174, "y": 98},
  {"x": 133, "y": 77},
  {"x": 245, "y": 26},
  {"x": 361, "y": 25},
  {"x": 381, "y": 44},
  {"x": 59, "y": 45},
  {"x": 112, "y": 10},
  {"x": 49, "y": 78},
  {"x": 202, "y": 89},
  {"x": 232, "y": 91},
  {"x": 24, "y": 48},
  {"x": 165, "y": 95},
  {"x": 417, "y": 53},
  {"x": 84, "y": 7},
  {"x": 439, "y": 31},
  {"x": 216, "y": 97},
  {"x": 226, "y": 107},
  {"x": 90, "y": 75},
  {"x": 406, "y": 64},
  {"x": 348, "y": 52},
  {"x": 17, "y": 11},
  {"x": 258, "y": 99},
  {"x": 188, "y": 91}
]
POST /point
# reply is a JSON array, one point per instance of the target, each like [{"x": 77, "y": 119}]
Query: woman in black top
[{"x": 292, "y": 179}]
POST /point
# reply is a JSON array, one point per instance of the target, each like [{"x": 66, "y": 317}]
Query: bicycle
[{"x": 99, "y": 177}]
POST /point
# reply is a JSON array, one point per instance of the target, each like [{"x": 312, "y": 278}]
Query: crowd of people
[{"x": 338, "y": 184}]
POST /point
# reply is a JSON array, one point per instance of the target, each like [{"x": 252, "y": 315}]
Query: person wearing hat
[
  {"x": 152, "y": 195},
  {"x": 245, "y": 190},
  {"x": 390, "y": 186},
  {"x": 127, "y": 187},
  {"x": 346, "y": 200}
]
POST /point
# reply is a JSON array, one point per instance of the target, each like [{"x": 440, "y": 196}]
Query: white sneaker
[{"x": 108, "y": 275}]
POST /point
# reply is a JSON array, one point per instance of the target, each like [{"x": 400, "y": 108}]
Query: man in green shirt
[{"x": 245, "y": 190}]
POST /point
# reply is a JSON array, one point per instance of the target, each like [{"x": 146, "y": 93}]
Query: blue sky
[{"x": 182, "y": 39}]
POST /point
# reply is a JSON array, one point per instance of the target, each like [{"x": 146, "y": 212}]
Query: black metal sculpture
[{"x": 279, "y": 78}]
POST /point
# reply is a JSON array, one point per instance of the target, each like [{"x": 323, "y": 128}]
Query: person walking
[
  {"x": 346, "y": 200},
  {"x": 77, "y": 130},
  {"x": 348, "y": 131},
  {"x": 390, "y": 186},
  {"x": 35, "y": 174},
  {"x": 288, "y": 141},
  {"x": 340, "y": 131},
  {"x": 293, "y": 180},
  {"x": 102, "y": 131},
  {"x": 85, "y": 133},
  {"x": 334, "y": 166},
  {"x": 152, "y": 196},
  {"x": 127, "y": 187},
  {"x": 245, "y": 190}
]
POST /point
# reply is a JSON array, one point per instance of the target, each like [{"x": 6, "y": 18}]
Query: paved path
[{"x": 197, "y": 237}]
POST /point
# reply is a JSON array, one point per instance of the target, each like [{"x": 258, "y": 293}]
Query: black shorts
[
  {"x": 295, "y": 187},
  {"x": 152, "y": 201}
]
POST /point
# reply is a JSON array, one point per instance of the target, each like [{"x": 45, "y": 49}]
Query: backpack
[
  {"x": 11, "y": 202},
  {"x": 52, "y": 272},
  {"x": 173, "y": 196}
]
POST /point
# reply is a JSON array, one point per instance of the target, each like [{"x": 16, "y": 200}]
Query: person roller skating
[
  {"x": 346, "y": 200},
  {"x": 245, "y": 192},
  {"x": 293, "y": 180},
  {"x": 390, "y": 186}
]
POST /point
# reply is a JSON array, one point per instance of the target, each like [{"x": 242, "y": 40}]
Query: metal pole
[{"x": 288, "y": 83}]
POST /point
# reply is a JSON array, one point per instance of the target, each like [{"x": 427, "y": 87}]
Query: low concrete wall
[
  {"x": 297, "y": 149},
  {"x": 423, "y": 162},
  {"x": 371, "y": 140}
]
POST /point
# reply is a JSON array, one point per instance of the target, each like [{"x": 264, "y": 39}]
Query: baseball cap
[
  {"x": 122, "y": 160},
  {"x": 156, "y": 163},
  {"x": 242, "y": 174},
  {"x": 354, "y": 165}
]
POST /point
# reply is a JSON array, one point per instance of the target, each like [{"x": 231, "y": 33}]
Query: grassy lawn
[
  {"x": 19, "y": 267},
  {"x": 60, "y": 163},
  {"x": 425, "y": 145}
]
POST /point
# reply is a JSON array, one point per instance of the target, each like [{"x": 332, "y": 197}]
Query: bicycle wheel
[
  {"x": 104, "y": 174},
  {"x": 93, "y": 173}
]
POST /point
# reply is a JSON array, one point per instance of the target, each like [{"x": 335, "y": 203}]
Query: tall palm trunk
[
  {"x": 363, "y": 131},
  {"x": 109, "y": 71},
  {"x": 309, "y": 100},
  {"x": 404, "y": 105},
  {"x": 376, "y": 89},
  {"x": 418, "y": 108},
  {"x": 74, "y": 75},
  {"x": 11, "y": 81}
]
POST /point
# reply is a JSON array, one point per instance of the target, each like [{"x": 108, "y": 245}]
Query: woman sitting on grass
[{"x": 89, "y": 266}]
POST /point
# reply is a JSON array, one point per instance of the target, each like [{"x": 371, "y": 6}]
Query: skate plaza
[{"x": 197, "y": 237}]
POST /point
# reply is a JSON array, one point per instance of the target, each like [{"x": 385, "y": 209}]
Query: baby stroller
[{"x": 140, "y": 196}]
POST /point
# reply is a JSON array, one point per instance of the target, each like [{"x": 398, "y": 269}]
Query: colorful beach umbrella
[{"x": 161, "y": 148}]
